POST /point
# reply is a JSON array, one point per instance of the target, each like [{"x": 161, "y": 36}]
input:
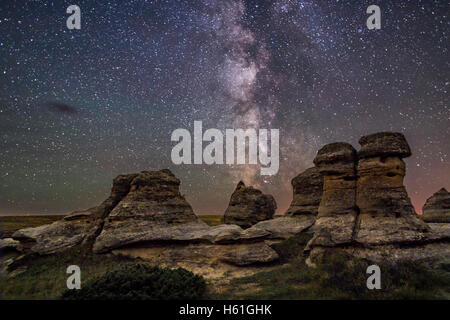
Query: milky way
[{"x": 78, "y": 107}]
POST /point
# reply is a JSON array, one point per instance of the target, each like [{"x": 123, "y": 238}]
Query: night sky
[{"x": 78, "y": 107}]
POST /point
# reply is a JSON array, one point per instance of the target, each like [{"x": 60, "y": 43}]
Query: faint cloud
[{"x": 61, "y": 108}]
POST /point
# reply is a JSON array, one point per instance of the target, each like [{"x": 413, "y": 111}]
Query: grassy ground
[
  {"x": 436, "y": 219},
  {"x": 10, "y": 224},
  {"x": 341, "y": 278},
  {"x": 212, "y": 220},
  {"x": 45, "y": 277}
]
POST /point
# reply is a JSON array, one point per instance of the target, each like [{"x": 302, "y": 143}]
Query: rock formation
[
  {"x": 76, "y": 228},
  {"x": 437, "y": 207},
  {"x": 307, "y": 192},
  {"x": 152, "y": 210},
  {"x": 365, "y": 209},
  {"x": 337, "y": 211},
  {"x": 386, "y": 213},
  {"x": 248, "y": 206},
  {"x": 58, "y": 236},
  {"x": 352, "y": 200},
  {"x": 146, "y": 214}
]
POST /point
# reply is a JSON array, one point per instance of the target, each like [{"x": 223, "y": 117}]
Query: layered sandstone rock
[
  {"x": 152, "y": 210},
  {"x": 386, "y": 226},
  {"x": 437, "y": 207},
  {"x": 337, "y": 210},
  {"x": 386, "y": 213},
  {"x": 307, "y": 192},
  {"x": 248, "y": 206}
]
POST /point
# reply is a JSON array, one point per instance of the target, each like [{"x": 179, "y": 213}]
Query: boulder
[
  {"x": 337, "y": 210},
  {"x": 386, "y": 214},
  {"x": 384, "y": 144},
  {"x": 248, "y": 206},
  {"x": 437, "y": 207},
  {"x": 307, "y": 192}
]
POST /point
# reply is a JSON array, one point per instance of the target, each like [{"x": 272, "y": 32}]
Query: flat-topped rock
[
  {"x": 384, "y": 144},
  {"x": 307, "y": 192},
  {"x": 248, "y": 206},
  {"x": 336, "y": 158}
]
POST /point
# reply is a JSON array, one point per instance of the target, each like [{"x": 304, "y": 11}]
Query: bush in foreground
[{"x": 141, "y": 282}]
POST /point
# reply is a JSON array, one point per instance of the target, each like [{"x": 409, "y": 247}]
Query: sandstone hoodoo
[
  {"x": 386, "y": 213},
  {"x": 437, "y": 207},
  {"x": 248, "y": 206},
  {"x": 307, "y": 192},
  {"x": 365, "y": 209},
  {"x": 337, "y": 211},
  {"x": 152, "y": 210}
]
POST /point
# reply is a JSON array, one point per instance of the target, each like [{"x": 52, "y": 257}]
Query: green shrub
[{"x": 141, "y": 282}]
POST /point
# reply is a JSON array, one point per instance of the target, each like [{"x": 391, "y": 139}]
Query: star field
[{"x": 78, "y": 107}]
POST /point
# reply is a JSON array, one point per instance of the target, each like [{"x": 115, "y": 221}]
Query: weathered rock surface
[
  {"x": 384, "y": 144},
  {"x": 283, "y": 227},
  {"x": 437, "y": 207},
  {"x": 250, "y": 254},
  {"x": 386, "y": 213},
  {"x": 337, "y": 210},
  {"x": 8, "y": 244},
  {"x": 307, "y": 192},
  {"x": 441, "y": 229},
  {"x": 433, "y": 254},
  {"x": 215, "y": 262},
  {"x": 234, "y": 254},
  {"x": 54, "y": 237},
  {"x": 199, "y": 232},
  {"x": 248, "y": 206}
]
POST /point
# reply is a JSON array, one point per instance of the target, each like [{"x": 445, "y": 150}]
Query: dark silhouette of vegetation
[{"x": 141, "y": 282}]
